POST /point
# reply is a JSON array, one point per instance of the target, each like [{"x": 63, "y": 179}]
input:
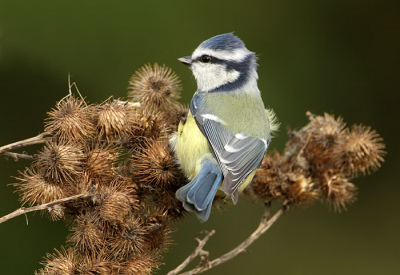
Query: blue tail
[{"x": 198, "y": 195}]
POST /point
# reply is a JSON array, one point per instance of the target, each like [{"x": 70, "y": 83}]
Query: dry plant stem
[
  {"x": 264, "y": 225},
  {"x": 24, "y": 210},
  {"x": 41, "y": 138},
  {"x": 17, "y": 156},
  {"x": 197, "y": 252}
]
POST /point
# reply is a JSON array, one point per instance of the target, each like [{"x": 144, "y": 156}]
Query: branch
[
  {"x": 24, "y": 210},
  {"x": 41, "y": 138},
  {"x": 17, "y": 156},
  {"x": 197, "y": 252},
  {"x": 265, "y": 224}
]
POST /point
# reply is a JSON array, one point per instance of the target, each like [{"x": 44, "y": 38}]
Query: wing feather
[{"x": 238, "y": 154}]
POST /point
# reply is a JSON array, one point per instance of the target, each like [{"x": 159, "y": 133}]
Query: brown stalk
[
  {"x": 44, "y": 206},
  {"x": 41, "y": 138},
  {"x": 265, "y": 223}
]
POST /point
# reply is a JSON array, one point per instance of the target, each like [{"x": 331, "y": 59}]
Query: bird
[{"x": 227, "y": 130}]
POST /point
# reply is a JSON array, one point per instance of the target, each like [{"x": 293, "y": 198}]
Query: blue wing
[{"x": 238, "y": 154}]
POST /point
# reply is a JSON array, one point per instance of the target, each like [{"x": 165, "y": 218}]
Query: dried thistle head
[
  {"x": 325, "y": 130},
  {"x": 34, "y": 188},
  {"x": 361, "y": 151},
  {"x": 174, "y": 115},
  {"x": 157, "y": 232},
  {"x": 303, "y": 191},
  {"x": 113, "y": 118},
  {"x": 323, "y": 134},
  {"x": 100, "y": 262},
  {"x": 71, "y": 119},
  {"x": 145, "y": 127},
  {"x": 88, "y": 232},
  {"x": 338, "y": 191},
  {"x": 117, "y": 203},
  {"x": 155, "y": 87},
  {"x": 267, "y": 182},
  {"x": 59, "y": 163},
  {"x": 81, "y": 184},
  {"x": 166, "y": 201},
  {"x": 153, "y": 164},
  {"x": 101, "y": 160},
  {"x": 129, "y": 240},
  {"x": 316, "y": 163},
  {"x": 56, "y": 212},
  {"x": 143, "y": 264},
  {"x": 60, "y": 262}
]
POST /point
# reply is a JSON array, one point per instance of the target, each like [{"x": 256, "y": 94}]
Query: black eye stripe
[{"x": 214, "y": 60}]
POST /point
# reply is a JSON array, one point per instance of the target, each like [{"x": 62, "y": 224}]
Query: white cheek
[{"x": 211, "y": 76}]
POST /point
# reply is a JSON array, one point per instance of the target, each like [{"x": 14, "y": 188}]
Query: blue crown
[{"x": 226, "y": 41}]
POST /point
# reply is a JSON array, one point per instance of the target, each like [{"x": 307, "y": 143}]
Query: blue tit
[{"x": 227, "y": 131}]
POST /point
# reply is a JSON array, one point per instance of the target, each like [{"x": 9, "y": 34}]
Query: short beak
[{"x": 187, "y": 60}]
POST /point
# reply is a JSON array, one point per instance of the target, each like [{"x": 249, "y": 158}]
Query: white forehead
[{"x": 230, "y": 55}]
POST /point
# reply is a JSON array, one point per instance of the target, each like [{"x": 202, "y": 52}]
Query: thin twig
[
  {"x": 24, "y": 210},
  {"x": 197, "y": 252},
  {"x": 41, "y": 138},
  {"x": 17, "y": 156},
  {"x": 264, "y": 225}
]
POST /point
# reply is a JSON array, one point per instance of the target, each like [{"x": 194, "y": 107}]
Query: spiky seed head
[
  {"x": 174, "y": 115},
  {"x": 338, "y": 191},
  {"x": 56, "y": 212},
  {"x": 154, "y": 164},
  {"x": 130, "y": 240},
  {"x": 71, "y": 119},
  {"x": 33, "y": 188},
  {"x": 267, "y": 183},
  {"x": 116, "y": 205},
  {"x": 113, "y": 119},
  {"x": 326, "y": 129},
  {"x": 81, "y": 185},
  {"x": 145, "y": 127},
  {"x": 88, "y": 233},
  {"x": 157, "y": 232},
  {"x": 323, "y": 133},
  {"x": 140, "y": 265},
  {"x": 165, "y": 201},
  {"x": 303, "y": 191},
  {"x": 101, "y": 160},
  {"x": 155, "y": 87},
  {"x": 361, "y": 151},
  {"x": 100, "y": 262},
  {"x": 60, "y": 163},
  {"x": 60, "y": 262}
]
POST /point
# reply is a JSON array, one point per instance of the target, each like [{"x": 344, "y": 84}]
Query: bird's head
[{"x": 222, "y": 63}]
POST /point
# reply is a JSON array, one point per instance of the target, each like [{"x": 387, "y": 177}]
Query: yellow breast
[{"x": 190, "y": 146}]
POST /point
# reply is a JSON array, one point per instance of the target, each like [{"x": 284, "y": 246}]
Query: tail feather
[{"x": 198, "y": 195}]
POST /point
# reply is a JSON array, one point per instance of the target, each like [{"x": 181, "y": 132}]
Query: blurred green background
[{"x": 324, "y": 56}]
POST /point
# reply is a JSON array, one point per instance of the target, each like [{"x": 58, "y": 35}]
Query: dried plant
[
  {"x": 108, "y": 170},
  {"x": 155, "y": 87},
  {"x": 318, "y": 162}
]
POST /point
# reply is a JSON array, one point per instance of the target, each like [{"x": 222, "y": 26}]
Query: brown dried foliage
[
  {"x": 120, "y": 150},
  {"x": 155, "y": 87},
  {"x": 154, "y": 164},
  {"x": 70, "y": 120},
  {"x": 318, "y": 162}
]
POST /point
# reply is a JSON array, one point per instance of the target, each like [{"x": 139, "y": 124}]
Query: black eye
[{"x": 205, "y": 58}]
